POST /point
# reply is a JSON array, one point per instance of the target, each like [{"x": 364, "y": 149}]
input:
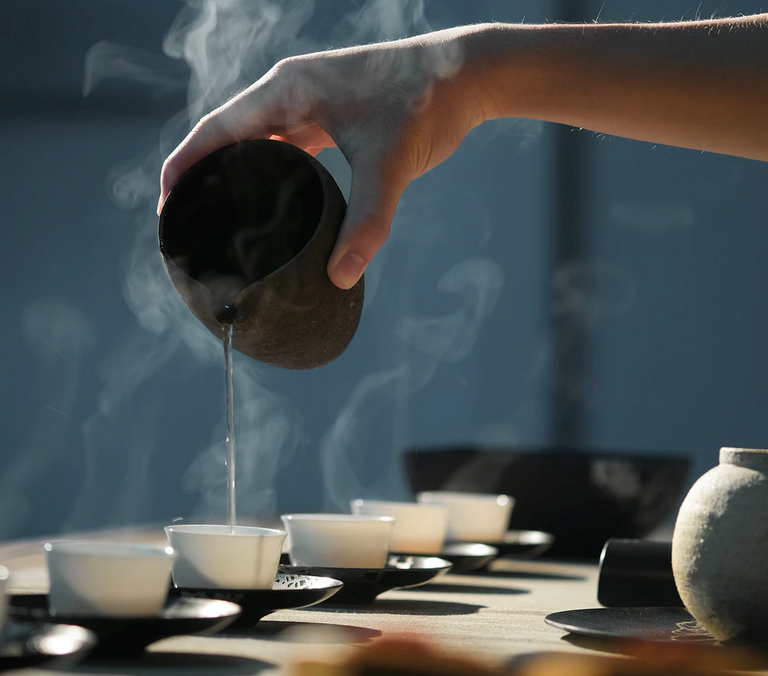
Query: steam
[
  {"x": 431, "y": 341},
  {"x": 270, "y": 430},
  {"x": 229, "y": 44},
  {"x": 62, "y": 337},
  {"x": 585, "y": 293},
  {"x": 104, "y": 59},
  {"x": 215, "y": 48}
]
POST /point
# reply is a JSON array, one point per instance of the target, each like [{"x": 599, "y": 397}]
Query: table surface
[{"x": 492, "y": 617}]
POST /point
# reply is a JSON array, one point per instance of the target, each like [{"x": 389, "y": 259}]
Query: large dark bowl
[{"x": 582, "y": 498}]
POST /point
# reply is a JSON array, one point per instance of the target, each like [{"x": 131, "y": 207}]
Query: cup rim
[
  {"x": 500, "y": 499},
  {"x": 337, "y": 518},
  {"x": 397, "y": 504},
  {"x": 216, "y": 530},
  {"x": 112, "y": 550}
]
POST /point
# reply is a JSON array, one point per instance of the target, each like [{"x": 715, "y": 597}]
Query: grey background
[{"x": 622, "y": 286}]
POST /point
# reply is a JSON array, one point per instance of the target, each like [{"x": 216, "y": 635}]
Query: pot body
[
  {"x": 720, "y": 546},
  {"x": 245, "y": 236}
]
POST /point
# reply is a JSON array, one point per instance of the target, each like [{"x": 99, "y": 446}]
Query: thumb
[{"x": 373, "y": 198}]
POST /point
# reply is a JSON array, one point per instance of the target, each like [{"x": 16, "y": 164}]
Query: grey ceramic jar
[
  {"x": 720, "y": 547},
  {"x": 246, "y": 235}
]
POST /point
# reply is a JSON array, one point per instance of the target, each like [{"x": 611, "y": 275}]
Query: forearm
[{"x": 701, "y": 85}]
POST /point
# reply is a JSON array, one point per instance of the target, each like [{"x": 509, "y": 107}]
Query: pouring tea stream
[{"x": 245, "y": 236}]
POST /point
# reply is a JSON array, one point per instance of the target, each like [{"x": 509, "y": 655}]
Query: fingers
[
  {"x": 373, "y": 199},
  {"x": 212, "y": 132}
]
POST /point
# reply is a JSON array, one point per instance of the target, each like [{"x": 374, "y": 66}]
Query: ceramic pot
[
  {"x": 246, "y": 235},
  {"x": 720, "y": 547}
]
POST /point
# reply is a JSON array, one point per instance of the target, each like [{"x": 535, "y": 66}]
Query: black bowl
[{"x": 582, "y": 498}]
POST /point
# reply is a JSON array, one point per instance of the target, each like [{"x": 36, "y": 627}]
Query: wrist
[{"x": 512, "y": 70}]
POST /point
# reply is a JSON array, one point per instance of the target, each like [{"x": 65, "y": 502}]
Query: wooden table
[{"x": 492, "y": 617}]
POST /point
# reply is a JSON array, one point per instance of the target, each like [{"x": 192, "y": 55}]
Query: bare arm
[
  {"x": 398, "y": 109},
  {"x": 701, "y": 85}
]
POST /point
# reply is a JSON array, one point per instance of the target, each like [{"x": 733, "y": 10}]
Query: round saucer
[
  {"x": 522, "y": 544},
  {"x": 363, "y": 585},
  {"x": 122, "y": 637},
  {"x": 467, "y": 557},
  {"x": 288, "y": 591},
  {"x": 26, "y": 644},
  {"x": 671, "y": 624}
]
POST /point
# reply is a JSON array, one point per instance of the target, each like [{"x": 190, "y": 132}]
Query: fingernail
[
  {"x": 159, "y": 205},
  {"x": 349, "y": 269}
]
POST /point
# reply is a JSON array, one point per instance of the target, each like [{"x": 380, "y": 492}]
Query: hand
[{"x": 395, "y": 110}]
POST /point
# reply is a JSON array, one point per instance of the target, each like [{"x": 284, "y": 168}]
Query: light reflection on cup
[
  {"x": 338, "y": 540},
  {"x": 472, "y": 517},
  {"x": 418, "y": 529}
]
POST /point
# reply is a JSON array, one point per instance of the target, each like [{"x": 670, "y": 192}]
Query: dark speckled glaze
[{"x": 246, "y": 234}]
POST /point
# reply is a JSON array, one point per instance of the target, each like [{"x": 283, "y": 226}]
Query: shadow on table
[
  {"x": 403, "y": 607},
  {"x": 745, "y": 660},
  {"x": 170, "y": 663},
  {"x": 445, "y": 588},
  {"x": 531, "y": 575},
  {"x": 297, "y": 631}
]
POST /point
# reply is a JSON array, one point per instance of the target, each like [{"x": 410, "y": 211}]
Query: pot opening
[{"x": 240, "y": 214}]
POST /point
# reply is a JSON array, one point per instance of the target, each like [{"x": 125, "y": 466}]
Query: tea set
[{"x": 213, "y": 577}]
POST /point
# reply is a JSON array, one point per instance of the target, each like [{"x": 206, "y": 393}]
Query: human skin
[{"x": 398, "y": 109}]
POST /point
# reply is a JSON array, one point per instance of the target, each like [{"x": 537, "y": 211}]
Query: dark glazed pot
[{"x": 246, "y": 235}]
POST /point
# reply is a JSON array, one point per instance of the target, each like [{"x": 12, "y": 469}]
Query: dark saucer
[
  {"x": 363, "y": 585},
  {"x": 524, "y": 544},
  {"x": 123, "y": 637},
  {"x": 288, "y": 591},
  {"x": 672, "y": 624},
  {"x": 26, "y": 644},
  {"x": 467, "y": 557}
]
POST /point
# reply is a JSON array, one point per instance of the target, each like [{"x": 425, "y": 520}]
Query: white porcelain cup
[
  {"x": 215, "y": 557},
  {"x": 473, "y": 517},
  {"x": 3, "y": 595},
  {"x": 338, "y": 540},
  {"x": 418, "y": 529},
  {"x": 116, "y": 579}
]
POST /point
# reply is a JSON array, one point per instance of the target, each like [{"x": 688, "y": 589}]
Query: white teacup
[
  {"x": 215, "y": 557},
  {"x": 473, "y": 517},
  {"x": 418, "y": 529},
  {"x": 117, "y": 579},
  {"x": 338, "y": 540}
]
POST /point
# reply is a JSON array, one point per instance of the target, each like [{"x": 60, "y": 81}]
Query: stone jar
[
  {"x": 720, "y": 547},
  {"x": 246, "y": 235}
]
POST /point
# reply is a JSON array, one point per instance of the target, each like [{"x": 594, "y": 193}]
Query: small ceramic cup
[
  {"x": 116, "y": 579},
  {"x": 338, "y": 540},
  {"x": 472, "y": 517},
  {"x": 215, "y": 557},
  {"x": 418, "y": 529}
]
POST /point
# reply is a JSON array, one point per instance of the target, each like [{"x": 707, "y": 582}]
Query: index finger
[{"x": 216, "y": 130}]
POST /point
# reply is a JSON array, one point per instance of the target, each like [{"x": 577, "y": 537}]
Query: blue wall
[{"x": 113, "y": 397}]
